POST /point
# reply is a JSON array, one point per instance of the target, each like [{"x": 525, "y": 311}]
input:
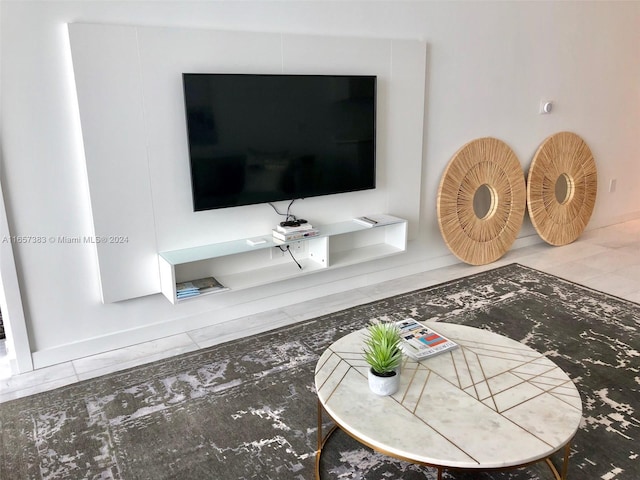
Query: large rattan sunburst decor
[
  {"x": 489, "y": 167},
  {"x": 561, "y": 188}
]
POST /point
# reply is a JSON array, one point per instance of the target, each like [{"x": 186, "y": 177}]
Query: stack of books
[
  {"x": 197, "y": 287},
  {"x": 296, "y": 232},
  {"x": 420, "y": 342}
]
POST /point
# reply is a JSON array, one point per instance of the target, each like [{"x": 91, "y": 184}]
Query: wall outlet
[
  {"x": 296, "y": 248},
  {"x": 612, "y": 185}
]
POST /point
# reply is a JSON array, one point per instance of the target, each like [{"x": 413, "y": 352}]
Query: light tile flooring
[{"x": 606, "y": 259}]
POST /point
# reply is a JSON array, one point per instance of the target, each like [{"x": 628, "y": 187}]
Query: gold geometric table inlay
[{"x": 492, "y": 403}]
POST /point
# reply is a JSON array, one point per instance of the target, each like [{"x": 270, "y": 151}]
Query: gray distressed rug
[{"x": 247, "y": 409}]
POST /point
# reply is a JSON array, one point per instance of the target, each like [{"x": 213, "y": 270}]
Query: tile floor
[{"x": 606, "y": 259}]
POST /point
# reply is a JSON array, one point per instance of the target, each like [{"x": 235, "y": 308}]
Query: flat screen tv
[{"x": 265, "y": 138}]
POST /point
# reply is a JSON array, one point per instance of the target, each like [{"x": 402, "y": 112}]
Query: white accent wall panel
[
  {"x": 129, "y": 82},
  {"x": 405, "y": 123},
  {"x": 107, "y": 74}
]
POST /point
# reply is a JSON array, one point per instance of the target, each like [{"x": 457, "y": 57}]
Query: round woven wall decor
[
  {"x": 561, "y": 188},
  {"x": 485, "y": 167}
]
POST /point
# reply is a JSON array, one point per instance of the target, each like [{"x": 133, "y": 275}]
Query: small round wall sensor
[{"x": 546, "y": 107}]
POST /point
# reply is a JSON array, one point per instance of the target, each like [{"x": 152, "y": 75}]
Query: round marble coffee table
[{"x": 493, "y": 403}]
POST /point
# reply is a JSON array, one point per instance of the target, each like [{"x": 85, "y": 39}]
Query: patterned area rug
[{"x": 247, "y": 409}]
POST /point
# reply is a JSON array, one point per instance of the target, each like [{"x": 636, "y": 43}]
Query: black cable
[
  {"x": 288, "y": 214},
  {"x": 276, "y": 210},
  {"x": 288, "y": 249},
  {"x": 293, "y": 258},
  {"x": 288, "y": 217}
]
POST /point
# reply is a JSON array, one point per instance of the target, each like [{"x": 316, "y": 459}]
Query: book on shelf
[
  {"x": 377, "y": 220},
  {"x": 287, "y": 237},
  {"x": 420, "y": 342},
  {"x": 187, "y": 294},
  {"x": 300, "y": 228},
  {"x": 186, "y": 287},
  {"x": 199, "y": 286}
]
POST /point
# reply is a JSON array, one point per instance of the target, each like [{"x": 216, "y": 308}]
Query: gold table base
[{"x": 322, "y": 439}]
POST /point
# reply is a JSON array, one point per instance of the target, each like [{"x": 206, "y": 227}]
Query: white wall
[{"x": 488, "y": 66}]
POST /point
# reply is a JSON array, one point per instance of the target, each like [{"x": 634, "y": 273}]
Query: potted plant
[{"x": 383, "y": 355}]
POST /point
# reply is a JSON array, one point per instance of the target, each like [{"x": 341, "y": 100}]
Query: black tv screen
[{"x": 264, "y": 138}]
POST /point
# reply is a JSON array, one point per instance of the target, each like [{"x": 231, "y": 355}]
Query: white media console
[{"x": 238, "y": 264}]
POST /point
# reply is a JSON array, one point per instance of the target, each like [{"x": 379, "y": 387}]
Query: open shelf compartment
[{"x": 239, "y": 265}]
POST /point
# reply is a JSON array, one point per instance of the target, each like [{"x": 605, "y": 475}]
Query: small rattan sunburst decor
[
  {"x": 487, "y": 166},
  {"x": 561, "y": 188}
]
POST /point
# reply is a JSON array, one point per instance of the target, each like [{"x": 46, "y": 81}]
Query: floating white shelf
[{"x": 239, "y": 265}]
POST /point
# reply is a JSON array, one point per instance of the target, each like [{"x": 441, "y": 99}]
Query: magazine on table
[{"x": 420, "y": 342}]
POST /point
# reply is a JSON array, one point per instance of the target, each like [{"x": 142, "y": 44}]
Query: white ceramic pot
[{"x": 384, "y": 385}]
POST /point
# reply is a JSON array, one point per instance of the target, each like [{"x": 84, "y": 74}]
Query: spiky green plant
[{"x": 382, "y": 347}]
